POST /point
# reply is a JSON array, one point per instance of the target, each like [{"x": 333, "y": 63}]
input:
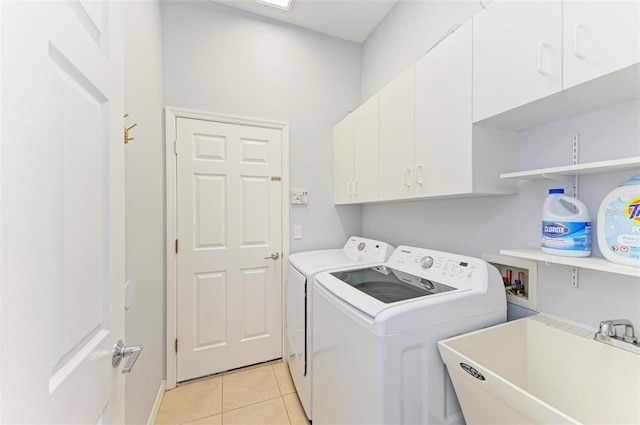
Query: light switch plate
[
  {"x": 297, "y": 231},
  {"x": 299, "y": 197}
]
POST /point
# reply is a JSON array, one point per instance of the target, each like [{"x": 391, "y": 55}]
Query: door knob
[
  {"x": 273, "y": 256},
  {"x": 120, "y": 352}
]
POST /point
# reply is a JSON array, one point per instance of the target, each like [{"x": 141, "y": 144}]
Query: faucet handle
[
  {"x": 628, "y": 335},
  {"x": 606, "y": 330}
]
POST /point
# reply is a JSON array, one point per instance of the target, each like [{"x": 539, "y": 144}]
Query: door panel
[
  {"x": 210, "y": 308},
  {"x": 255, "y": 198},
  {"x": 229, "y": 223},
  {"x": 256, "y": 286},
  {"x": 62, "y": 212},
  {"x": 210, "y": 218}
]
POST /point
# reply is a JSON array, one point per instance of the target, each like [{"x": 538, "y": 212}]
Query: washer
[
  {"x": 376, "y": 329},
  {"x": 303, "y": 267}
]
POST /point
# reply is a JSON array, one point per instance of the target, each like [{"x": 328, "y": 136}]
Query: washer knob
[
  {"x": 361, "y": 246},
  {"x": 426, "y": 261}
]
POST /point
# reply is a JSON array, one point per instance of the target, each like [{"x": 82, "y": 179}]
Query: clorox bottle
[
  {"x": 565, "y": 232},
  {"x": 619, "y": 224}
]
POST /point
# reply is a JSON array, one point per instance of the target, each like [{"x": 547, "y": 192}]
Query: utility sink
[{"x": 542, "y": 370}]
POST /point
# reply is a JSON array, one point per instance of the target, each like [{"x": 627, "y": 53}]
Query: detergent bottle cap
[{"x": 556, "y": 191}]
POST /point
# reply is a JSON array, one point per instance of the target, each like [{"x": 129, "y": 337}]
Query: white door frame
[{"x": 171, "y": 116}]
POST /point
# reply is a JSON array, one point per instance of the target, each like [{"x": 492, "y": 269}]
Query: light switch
[{"x": 297, "y": 231}]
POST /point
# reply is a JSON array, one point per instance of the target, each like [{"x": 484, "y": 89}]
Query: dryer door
[{"x": 296, "y": 323}]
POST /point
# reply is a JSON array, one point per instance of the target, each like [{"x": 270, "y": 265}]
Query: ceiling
[{"x": 351, "y": 20}]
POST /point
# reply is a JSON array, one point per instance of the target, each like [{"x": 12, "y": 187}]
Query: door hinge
[
  {"x": 275, "y": 178},
  {"x": 176, "y": 246},
  {"x": 176, "y": 345}
]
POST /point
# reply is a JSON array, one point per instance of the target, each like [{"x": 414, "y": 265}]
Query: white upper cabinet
[
  {"x": 343, "y": 161},
  {"x": 599, "y": 37},
  {"x": 396, "y": 137},
  {"x": 517, "y": 55},
  {"x": 355, "y": 154},
  {"x": 452, "y": 156},
  {"x": 443, "y": 128},
  {"x": 447, "y": 126},
  {"x": 366, "y": 151}
]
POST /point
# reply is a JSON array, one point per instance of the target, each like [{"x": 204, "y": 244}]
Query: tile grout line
[
  {"x": 252, "y": 404},
  {"x": 222, "y": 400},
  {"x": 286, "y": 409}
]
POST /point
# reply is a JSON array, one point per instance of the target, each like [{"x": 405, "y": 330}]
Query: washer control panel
[
  {"x": 440, "y": 266},
  {"x": 426, "y": 262}
]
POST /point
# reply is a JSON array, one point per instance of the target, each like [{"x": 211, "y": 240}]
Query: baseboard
[{"x": 156, "y": 405}]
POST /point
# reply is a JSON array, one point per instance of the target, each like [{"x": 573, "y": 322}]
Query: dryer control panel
[{"x": 368, "y": 249}]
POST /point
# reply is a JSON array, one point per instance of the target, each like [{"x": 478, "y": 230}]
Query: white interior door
[
  {"x": 62, "y": 212},
  {"x": 229, "y": 224}
]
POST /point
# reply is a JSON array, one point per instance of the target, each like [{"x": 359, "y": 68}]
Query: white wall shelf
[
  {"x": 569, "y": 171},
  {"x": 592, "y": 263}
]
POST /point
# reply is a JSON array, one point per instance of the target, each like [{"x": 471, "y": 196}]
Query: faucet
[{"x": 607, "y": 330}]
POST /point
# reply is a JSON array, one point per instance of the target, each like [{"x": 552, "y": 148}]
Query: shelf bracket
[
  {"x": 574, "y": 277},
  {"x": 575, "y": 161},
  {"x": 559, "y": 177}
]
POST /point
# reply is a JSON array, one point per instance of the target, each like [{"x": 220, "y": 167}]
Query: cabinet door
[
  {"x": 343, "y": 160},
  {"x": 396, "y": 137},
  {"x": 599, "y": 37},
  {"x": 443, "y": 131},
  {"x": 365, "y": 130},
  {"x": 517, "y": 54}
]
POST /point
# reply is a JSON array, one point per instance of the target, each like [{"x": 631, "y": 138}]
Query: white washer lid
[{"x": 371, "y": 306}]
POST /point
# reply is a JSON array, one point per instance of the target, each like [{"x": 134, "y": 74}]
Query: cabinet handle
[
  {"x": 355, "y": 188},
  {"x": 407, "y": 177},
  {"x": 539, "y": 66},
  {"x": 350, "y": 188},
  {"x": 419, "y": 174},
  {"x": 576, "y": 45}
]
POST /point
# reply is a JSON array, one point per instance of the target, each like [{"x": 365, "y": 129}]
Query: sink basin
[{"x": 542, "y": 370}]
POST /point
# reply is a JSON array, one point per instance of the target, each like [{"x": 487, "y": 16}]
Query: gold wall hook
[{"x": 126, "y": 131}]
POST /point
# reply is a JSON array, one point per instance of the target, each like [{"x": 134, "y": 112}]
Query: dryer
[
  {"x": 303, "y": 267},
  {"x": 376, "y": 329}
]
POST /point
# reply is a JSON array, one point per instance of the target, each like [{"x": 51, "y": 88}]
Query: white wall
[
  {"x": 485, "y": 225},
  {"x": 223, "y": 60},
  {"x": 144, "y": 184}
]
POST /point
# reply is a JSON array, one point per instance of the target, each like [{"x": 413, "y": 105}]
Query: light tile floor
[{"x": 263, "y": 395}]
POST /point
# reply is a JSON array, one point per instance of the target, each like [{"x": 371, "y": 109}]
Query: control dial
[
  {"x": 361, "y": 246},
  {"x": 426, "y": 262}
]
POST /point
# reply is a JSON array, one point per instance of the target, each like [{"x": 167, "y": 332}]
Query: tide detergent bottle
[
  {"x": 564, "y": 231},
  {"x": 619, "y": 224}
]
